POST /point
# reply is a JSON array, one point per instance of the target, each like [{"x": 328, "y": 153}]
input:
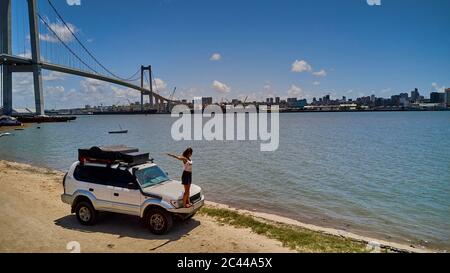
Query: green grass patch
[{"x": 300, "y": 239}]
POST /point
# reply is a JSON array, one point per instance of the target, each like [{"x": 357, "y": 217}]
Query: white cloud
[
  {"x": 99, "y": 92},
  {"x": 294, "y": 91},
  {"x": 61, "y": 30},
  {"x": 374, "y": 2},
  {"x": 74, "y": 2},
  {"x": 216, "y": 57},
  {"x": 316, "y": 83},
  {"x": 221, "y": 87},
  {"x": 437, "y": 88},
  {"x": 159, "y": 85},
  {"x": 321, "y": 73},
  {"x": 301, "y": 66},
  {"x": 297, "y": 92},
  {"x": 22, "y": 84},
  {"x": 55, "y": 90},
  {"x": 54, "y": 76}
]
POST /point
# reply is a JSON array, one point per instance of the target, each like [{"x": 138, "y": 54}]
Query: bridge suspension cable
[
  {"x": 65, "y": 45},
  {"x": 131, "y": 78}
]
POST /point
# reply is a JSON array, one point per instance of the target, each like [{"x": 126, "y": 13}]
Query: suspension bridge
[{"x": 54, "y": 45}]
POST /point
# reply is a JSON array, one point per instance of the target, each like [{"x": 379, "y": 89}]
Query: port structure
[{"x": 19, "y": 64}]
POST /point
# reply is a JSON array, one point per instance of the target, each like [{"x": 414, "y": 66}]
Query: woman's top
[{"x": 188, "y": 166}]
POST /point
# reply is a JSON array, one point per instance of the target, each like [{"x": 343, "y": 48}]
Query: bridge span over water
[{"x": 80, "y": 61}]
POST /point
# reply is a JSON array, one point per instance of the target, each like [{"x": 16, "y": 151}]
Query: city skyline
[
  {"x": 397, "y": 102},
  {"x": 397, "y": 46}
]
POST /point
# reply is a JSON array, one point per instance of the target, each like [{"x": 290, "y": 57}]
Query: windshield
[{"x": 151, "y": 176}]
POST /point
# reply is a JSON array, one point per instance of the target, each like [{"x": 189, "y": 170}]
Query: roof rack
[{"x": 112, "y": 155}]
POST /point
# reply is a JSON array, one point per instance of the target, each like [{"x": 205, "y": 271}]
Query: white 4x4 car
[{"x": 121, "y": 180}]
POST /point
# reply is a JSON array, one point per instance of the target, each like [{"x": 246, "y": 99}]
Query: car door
[
  {"x": 96, "y": 183},
  {"x": 125, "y": 200}
]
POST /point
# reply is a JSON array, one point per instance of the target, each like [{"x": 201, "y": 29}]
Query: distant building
[
  {"x": 437, "y": 97},
  {"x": 416, "y": 97},
  {"x": 301, "y": 104},
  {"x": 207, "y": 101},
  {"x": 236, "y": 102},
  {"x": 277, "y": 100},
  {"x": 447, "y": 92}
]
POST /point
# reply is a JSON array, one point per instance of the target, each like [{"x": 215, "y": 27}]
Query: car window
[
  {"x": 104, "y": 176},
  {"x": 151, "y": 176}
]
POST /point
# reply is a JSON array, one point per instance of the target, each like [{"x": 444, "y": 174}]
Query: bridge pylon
[
  {"x": 9, "y": 69},
  {"x": 150, "y": 93},
  {"x": 6, "y": 48}
]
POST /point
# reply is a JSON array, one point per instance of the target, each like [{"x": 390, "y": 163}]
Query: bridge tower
[
  {"x": 6, "y": 48},
  {"x": 149, "y": 94}
]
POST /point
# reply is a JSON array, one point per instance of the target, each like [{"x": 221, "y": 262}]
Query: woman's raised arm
[{"x": 181, "y": 158}]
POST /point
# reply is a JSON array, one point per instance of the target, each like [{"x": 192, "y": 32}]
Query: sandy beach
[{"x": 35, "y": 220}]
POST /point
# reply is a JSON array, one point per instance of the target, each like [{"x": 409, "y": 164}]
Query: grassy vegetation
[{"x": 297, "y": 238}]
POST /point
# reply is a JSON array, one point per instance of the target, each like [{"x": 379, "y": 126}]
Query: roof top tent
[{"x": 113, "y": 154}]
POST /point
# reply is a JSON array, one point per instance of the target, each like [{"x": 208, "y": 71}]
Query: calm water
[{"x": 380, "y": 174}]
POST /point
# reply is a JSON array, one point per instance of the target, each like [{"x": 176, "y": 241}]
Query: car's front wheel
[
  {"x": 159, "y": 221},
  {"x": 86, "y": 214}
]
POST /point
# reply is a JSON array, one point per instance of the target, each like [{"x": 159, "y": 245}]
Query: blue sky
[{"x": 262, "y": 48}]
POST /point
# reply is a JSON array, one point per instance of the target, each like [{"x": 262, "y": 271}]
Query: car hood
[{"x": 172, "y": 190}]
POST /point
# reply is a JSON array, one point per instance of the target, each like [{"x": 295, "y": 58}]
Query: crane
[{"x": 173, "y": 94}]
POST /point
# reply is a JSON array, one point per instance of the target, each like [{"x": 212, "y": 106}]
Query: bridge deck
[{"x": 24, "y": 62}]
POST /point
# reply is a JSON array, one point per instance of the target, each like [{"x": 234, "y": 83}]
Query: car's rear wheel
[
  {"x": 86, "y": 214},
  {"x": 159, "y": 221}
]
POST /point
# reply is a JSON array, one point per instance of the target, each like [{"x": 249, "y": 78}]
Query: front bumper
[{"x": 189, "y": 211}]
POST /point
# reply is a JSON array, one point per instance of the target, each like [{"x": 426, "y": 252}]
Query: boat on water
[
  {"x": 9, "y": 121},
  {"x": 5, "y": 134},
  {"x": 121, "y": 131},
  {"x": 45, "y": 119}
]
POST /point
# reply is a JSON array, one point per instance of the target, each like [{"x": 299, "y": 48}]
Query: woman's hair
[{"x": 188, "y": 152}]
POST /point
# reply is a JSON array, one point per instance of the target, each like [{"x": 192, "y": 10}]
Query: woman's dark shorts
[{"x": 186, "y": 179}]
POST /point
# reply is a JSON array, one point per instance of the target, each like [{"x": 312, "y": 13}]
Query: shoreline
[
  {"x": 394, "y": 246},
  {"x": 264, "y": 217}
]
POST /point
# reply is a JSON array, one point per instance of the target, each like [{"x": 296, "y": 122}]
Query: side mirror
[{"x": 132, "y": 186}]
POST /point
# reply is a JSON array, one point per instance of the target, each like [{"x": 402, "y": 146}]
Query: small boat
[
  {"x": 5, "y": 134},
  {"x": 121, "y": 131},
  {"x": 9, "y": 121}
]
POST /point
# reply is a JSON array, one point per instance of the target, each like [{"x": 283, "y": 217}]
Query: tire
[
  {"x": 86, "y": 214},
  {"x": 158, "y": 221}
]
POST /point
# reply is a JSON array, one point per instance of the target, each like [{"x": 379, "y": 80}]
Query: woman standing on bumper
[{"x": 186, "y": 178}]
